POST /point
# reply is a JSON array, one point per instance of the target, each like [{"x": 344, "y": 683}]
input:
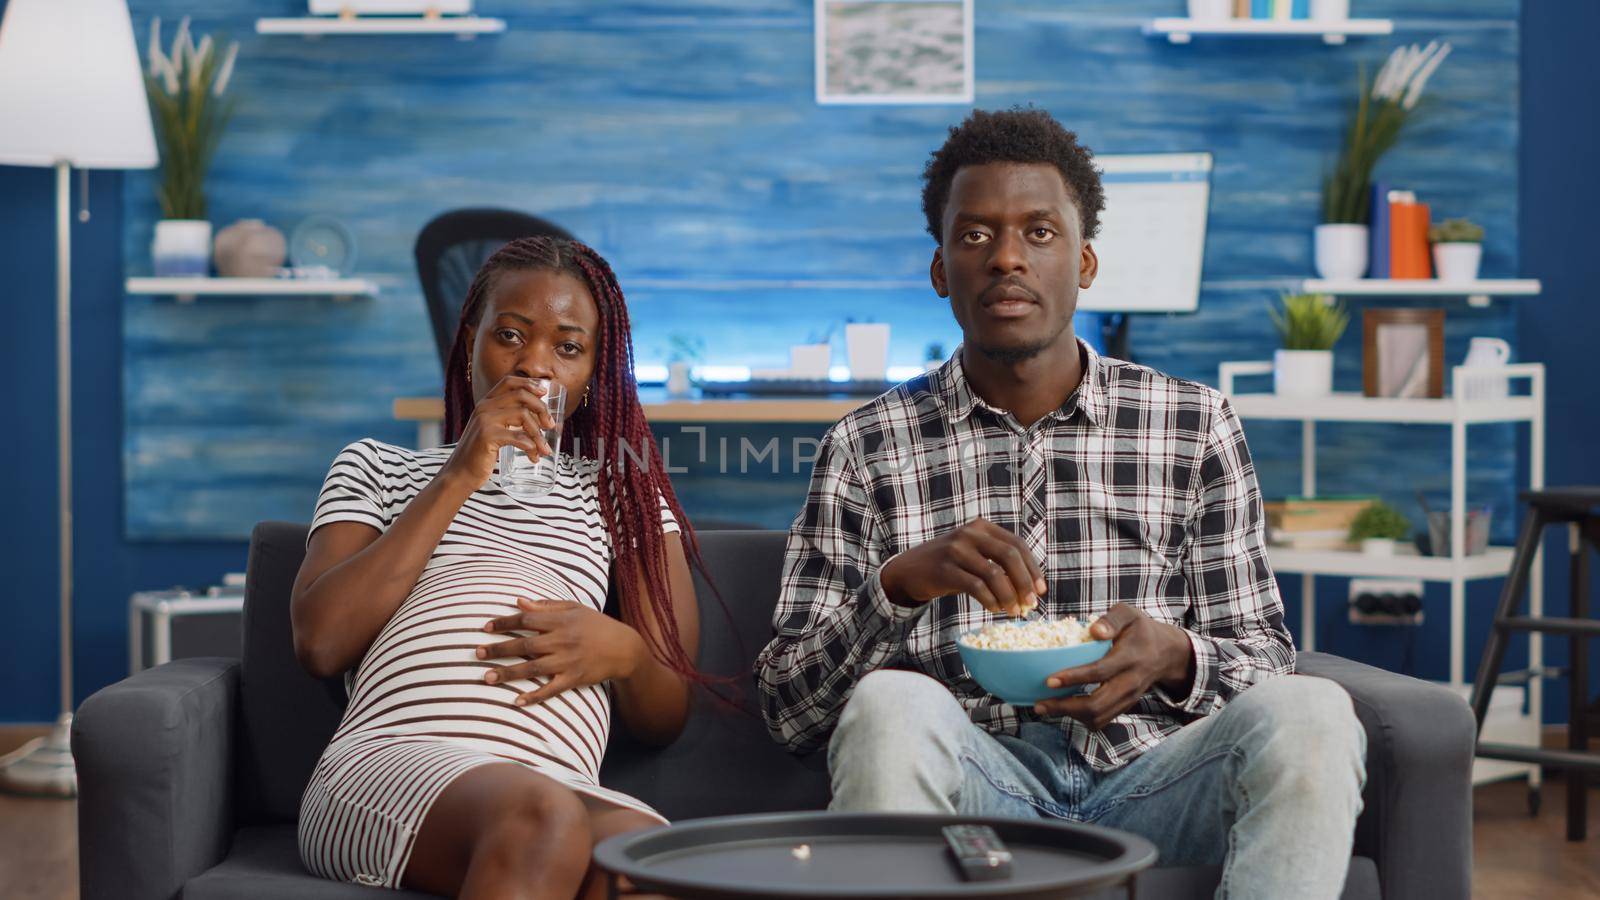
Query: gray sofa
[{"x": 190, "y": 773}]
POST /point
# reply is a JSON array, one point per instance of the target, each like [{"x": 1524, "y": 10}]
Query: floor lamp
[{"x": 71, "y": 96}]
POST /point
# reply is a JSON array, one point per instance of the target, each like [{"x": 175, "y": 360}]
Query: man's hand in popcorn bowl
[{"x": 1144, "y": 653}]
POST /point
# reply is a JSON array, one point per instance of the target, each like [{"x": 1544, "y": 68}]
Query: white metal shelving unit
[
  {"x": 463, "y": 27},
  {"x": 189, "y": 288},
  {"x": 1182, "y": 31},
  {"x": 1507, "y": 722},
  {"x": 1478, "y": 292}
]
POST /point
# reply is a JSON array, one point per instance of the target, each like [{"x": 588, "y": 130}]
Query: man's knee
[
  {"x": 899, "y": 735},
  {"x": 1305, "y": 730},
  {"x": 889, "y": 705}
]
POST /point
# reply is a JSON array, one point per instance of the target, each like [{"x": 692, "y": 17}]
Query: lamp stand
[{"x": 44, "y": 765}]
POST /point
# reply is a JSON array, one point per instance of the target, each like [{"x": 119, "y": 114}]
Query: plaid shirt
[{"x": 1139, "y": 489}]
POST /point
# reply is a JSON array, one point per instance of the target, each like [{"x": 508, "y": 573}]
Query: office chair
[{"x": 450, "y": 250}]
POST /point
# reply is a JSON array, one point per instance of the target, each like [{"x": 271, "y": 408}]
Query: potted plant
[
  {"x": 933, "y": 357},
  {"x": 1377, "y": 527},
  {"x": 1309, "y": 325},
  {"x": 1382, "y": 109},
  {"x": 812, "y": 359},
  {"x": 186, "y": 89},
  {"x": 1457, "y": 249},
  {"x": 683, "y": 351}
]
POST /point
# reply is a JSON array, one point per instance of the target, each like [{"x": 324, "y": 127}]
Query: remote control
[{"x": 978, "y": 852}]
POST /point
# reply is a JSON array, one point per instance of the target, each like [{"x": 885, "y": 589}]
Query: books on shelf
[
  {"x": 1398, "y": 235},
  {"x": 1279, "y": 10},
  {"x": 1310, "y": 523}
]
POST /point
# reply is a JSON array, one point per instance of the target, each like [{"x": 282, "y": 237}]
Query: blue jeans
[{"x": 1269, "y": 786}]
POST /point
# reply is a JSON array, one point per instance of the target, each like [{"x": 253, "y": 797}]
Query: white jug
[{"x": 1486, "y": 353}]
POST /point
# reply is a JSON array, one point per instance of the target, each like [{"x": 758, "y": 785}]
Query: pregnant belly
[{"x": 422, "y": 677}]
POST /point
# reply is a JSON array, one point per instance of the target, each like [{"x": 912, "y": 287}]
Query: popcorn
[{"x": 1038, "y": 634}]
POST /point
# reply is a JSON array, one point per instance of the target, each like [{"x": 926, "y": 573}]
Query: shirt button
[{"x": 1033, "y": 519}]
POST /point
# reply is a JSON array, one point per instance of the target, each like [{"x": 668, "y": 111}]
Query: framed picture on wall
[
  {"x": 1402, "y": 352},
  {"x": 894, "y": 51}
]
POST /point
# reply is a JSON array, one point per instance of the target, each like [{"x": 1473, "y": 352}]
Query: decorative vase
[
  {"x": 1457, "y": 261},
  {"x": 249, "y": 248},
  {"x": 1341, "y": 251},
  {"x": 1302, "y": 373},
  {"x": 678, "y": 379},
  {"x": 1210, "y": 10},
  {"x": 181, "y": 249},
  {"x": 1377, "y": 546},
  {"x": 867, "y": 350},
  {"x": 1330, "y": 10}
]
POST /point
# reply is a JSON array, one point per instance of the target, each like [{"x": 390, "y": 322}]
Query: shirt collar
[{"x": 950, "y": 386}]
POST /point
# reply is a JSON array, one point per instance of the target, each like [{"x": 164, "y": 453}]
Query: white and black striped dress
[{"x": 420, "y": 713}]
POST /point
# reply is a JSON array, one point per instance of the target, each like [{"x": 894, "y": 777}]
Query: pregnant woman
[{"x": 485, "y": 669}]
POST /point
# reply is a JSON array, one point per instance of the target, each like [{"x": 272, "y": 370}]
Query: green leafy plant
[
  {"x": 186, "y": 89},
  {"x": 1456, "y": 231},
  {"x": 1379, "y": 520},
  {"x": 935, "y": 352},
  {"x": 1309, "y": 322},
  {"x": 1382, "y": 109}
]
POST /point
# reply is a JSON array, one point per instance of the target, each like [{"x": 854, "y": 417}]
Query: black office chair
[{"x": 452, "y": 248}]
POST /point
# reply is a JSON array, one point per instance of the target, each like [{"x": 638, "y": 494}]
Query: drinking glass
[{"x": 523, "y": 478}]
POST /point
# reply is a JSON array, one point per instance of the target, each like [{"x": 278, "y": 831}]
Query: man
[{"x": 1028, "y": 470}]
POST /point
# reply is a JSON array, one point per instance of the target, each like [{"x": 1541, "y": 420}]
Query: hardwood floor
[{"x": 1515, "y": 856}]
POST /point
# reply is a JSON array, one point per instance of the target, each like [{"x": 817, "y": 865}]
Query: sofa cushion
[
  {"x": 286, "y": 717},
  {"x": 724, "y": 763},
  {"x": 264, "y": 863}
]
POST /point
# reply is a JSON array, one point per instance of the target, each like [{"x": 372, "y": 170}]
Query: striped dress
[{"x": 420, "y": 713}]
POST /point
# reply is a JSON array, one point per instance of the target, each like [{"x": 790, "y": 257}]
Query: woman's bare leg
[
  {"x": 605, "y": 820},
  {"x": 503, "y": 831}
]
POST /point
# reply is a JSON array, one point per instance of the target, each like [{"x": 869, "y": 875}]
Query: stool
[{"x": 1579, "y": 509}]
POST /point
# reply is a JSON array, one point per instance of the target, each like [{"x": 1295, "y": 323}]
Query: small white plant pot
[
  {"x": 1340, "y": 251},
  {"x": 810, "y": 360},
  {"x": 678, "y": 379},
  {"x": 1457, "y": 261},
  {"x": 182, "y": 248},
  {"x": 1330, "y": 10},
  {"x": 866, "y": 348},
  {"x": 1378, "y": 546},
  {"x": 1210, "y": 10},
  {"x": 1302, "y": 373}
]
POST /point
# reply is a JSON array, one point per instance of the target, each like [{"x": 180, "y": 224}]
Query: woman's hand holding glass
[{"x": 513, "y": 413}]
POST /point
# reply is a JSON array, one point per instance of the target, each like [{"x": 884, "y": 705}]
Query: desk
[{"x": 428, "y": 412}]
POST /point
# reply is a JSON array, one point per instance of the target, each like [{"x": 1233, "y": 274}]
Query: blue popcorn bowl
[{"x": 1017, "y": 676}]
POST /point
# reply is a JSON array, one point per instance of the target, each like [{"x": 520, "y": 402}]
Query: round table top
[{"x": 819, "y": 854}]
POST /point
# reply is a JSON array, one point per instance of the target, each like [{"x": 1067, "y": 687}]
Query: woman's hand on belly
[{"x": 571, "y": 644}]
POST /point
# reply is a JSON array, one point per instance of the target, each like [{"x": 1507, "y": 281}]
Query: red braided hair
[{"x": 610, "y": 428}]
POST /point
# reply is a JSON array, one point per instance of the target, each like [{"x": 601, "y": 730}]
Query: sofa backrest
[{"x": 724, "y": 763}]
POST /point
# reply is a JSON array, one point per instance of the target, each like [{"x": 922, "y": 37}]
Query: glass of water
[{"x": 524, "y": 478}]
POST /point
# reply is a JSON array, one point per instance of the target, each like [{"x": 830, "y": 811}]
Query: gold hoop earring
[{"x": 585, "y": 401}]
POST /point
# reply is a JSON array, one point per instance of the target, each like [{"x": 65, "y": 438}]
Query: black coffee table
[{"x": 868, "y": 855}]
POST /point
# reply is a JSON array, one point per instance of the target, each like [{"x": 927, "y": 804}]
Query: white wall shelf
[
  {"x": 1353, "y": 563},
  {"x": 1182, "y": 31},
  {"x": 1455, "y": 569},
  {"x": 1477, "y": 292},
  {"x": 189, "y": 288},
  {"x": 463, "y": 27}
]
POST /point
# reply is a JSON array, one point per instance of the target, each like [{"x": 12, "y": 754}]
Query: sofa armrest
[
  {"x": 155, "y": 758},
  {"x": 1416, "y": 823}
]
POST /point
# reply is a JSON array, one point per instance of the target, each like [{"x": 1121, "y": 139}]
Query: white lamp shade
[{"x": 71, "y": 87}]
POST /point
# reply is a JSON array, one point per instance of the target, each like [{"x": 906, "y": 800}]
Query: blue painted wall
[
  {"x": 1560, "y": 128},
  {"x": 683, "y": 141}
]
